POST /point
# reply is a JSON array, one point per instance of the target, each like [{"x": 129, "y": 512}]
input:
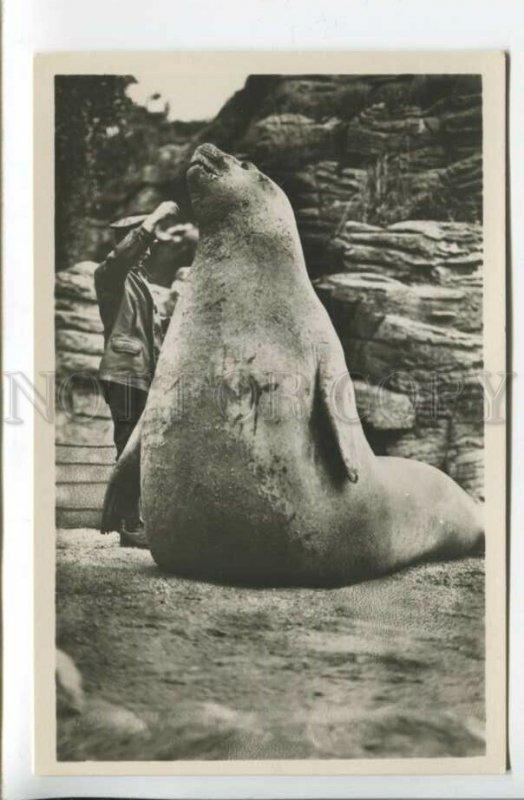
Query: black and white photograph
[{"x": 273, "y": 393}]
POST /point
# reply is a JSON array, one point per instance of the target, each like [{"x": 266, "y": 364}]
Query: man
[{"x": 130, "y": 287}]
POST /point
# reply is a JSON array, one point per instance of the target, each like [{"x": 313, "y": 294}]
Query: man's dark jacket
[{"x": 128, "y": 314}]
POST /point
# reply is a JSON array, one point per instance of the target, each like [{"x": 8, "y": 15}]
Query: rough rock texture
[
  {"x": 83, "y": 432},
  {"x": 369, "y": 148},
  {"x": 408, "y": 309},
  {"x": 385, "y": 176},
  {"x": 388, "y": 668}
]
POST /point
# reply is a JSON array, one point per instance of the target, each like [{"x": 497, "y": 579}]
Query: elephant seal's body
[{"x": 255, "y": 468}]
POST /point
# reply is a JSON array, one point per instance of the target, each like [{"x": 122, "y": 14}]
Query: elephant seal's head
[{"x": 233, "y": 198}]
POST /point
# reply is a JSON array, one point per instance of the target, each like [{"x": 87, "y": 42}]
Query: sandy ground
[{"x": 175, "y": 669}]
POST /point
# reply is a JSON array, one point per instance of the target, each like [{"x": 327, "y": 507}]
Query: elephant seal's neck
[{"x": 251, "y": 255}]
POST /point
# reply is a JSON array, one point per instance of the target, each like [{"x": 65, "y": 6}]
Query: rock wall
[
  {"x": 84, "y": 444},
  {"x": 408, "y": 309},
  {"x": 385, "y": 176}
]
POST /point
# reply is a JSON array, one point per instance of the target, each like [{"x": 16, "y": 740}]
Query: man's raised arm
[{"x": 111, "y": 274}]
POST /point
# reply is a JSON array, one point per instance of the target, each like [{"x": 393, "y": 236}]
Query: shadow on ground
[{"x": 174, "y": 669}]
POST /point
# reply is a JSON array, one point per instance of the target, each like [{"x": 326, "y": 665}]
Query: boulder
[
  {"x": 413, "y": 251},
  {"x": 79, "y": 341},
  {"x": 383, "y": 410},
  {"x": 68, "y": 362},
  {"x": 319, "y": 96},
  {"x": 290, "y": 139},
  {"x": 357, "y": 300},
  {"x": 77, "y": 316},
  {"x": 75, "y": 285}
]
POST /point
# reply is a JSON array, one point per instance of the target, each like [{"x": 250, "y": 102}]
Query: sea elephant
[{"x": 254, "y": 465}]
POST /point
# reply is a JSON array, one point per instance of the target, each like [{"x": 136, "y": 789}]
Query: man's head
[{"x": 173, "y": 247}]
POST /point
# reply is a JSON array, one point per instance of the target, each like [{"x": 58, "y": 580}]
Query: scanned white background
[{"x": 263, "y": 24}]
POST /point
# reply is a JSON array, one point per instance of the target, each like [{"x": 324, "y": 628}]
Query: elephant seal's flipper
[
  {"x": 124, "y": 484},
  {"x": 336, "y": 394}
]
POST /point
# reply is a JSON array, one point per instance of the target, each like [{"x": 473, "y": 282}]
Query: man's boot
[{"x": 132, "y": 533}]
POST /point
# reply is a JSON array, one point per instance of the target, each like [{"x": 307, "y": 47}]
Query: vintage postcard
[{"x": 270, "y": 490}]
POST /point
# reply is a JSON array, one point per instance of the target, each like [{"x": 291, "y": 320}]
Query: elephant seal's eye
[{"x": 246, "y": 165}]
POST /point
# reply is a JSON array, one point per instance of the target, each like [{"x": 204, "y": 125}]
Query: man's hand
[
  {"x": 166, "y": 209},
  {"x": 181, "y": 232}
]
